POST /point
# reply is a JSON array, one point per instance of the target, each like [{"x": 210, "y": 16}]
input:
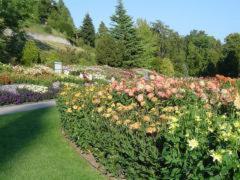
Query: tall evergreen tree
[
  {"x": 87, "y": 31},
  {"x": 102, "y": 29},
  {"x": 149, "y": 41},
  {"x": 61, "y": 20},
  {"x": 124, "y": 31}
]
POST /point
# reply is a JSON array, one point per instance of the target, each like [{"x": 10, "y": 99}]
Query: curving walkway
[{"x": 26, "y": 107}]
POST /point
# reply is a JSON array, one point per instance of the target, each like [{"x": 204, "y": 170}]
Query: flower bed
[
  {"x": 18, "y": 94},
  {"x": 163, "y": 128}
]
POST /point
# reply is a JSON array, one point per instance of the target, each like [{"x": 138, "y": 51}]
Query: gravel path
[{"x": 26, "y": 107}]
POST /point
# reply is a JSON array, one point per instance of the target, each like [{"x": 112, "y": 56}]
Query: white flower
[
  {"x": 216, "y": 156},
  {"x": 193, "y": 143}
]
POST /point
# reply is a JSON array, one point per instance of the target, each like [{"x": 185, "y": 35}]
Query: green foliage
[
  {"x": 61, "y": 20},
  {"x": 44, "y": 10},
  {"x": 30, "y": 53},
  {"x": 171, "y": 45},
  {"x": 87, "y": 31},
  {"x": 163, "y": 66},
  {"x": 149, "y": 43},
  {"x": 108, "y": 51},
  {"x": 124, "y": 32},
  {"x": 102, "y": 30},
  {"x": 230, "y": 65},
  {"x": 202, "y": 53}
]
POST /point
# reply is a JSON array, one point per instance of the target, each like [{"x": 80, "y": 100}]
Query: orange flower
[
  {"x": 146, "y": 119},
  {"x": 135, "y": 126},
  {"x": 77, "y": 94},
  {"x": 126, "y": 122},
  {"x": 151, "y": 130}
]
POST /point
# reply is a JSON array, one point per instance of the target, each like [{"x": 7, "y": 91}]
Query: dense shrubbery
[
  {"x": 30, "y": 54},
  {"x": 155, "y": 129}
]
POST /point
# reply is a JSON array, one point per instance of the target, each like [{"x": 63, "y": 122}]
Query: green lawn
[{"x": 32, "y": 147}]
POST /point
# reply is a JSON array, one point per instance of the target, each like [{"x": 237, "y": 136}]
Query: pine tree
[
  {"x": 102, "y": 29},
  {"x": 87, "y": 31},
  {"x": 60, "y": 19},
  {"x": 124, "y": 32}
]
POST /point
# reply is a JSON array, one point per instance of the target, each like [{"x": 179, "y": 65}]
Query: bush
[
  {"x": 156, "y": 130},
  {"x": 163, "y": 66},
  {"x": 30, "y": 53}
]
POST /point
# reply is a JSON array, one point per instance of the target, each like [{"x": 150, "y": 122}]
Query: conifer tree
[
  {"x": 123, "y": 31},
  {"x": 87, "y": 31},
  {"x": 102, "y": 29}
]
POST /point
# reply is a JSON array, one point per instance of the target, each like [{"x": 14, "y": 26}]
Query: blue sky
[{"x": 217, "y": 17}]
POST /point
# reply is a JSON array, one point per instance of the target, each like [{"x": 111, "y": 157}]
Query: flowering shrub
[{"x": 162, "y": 128}]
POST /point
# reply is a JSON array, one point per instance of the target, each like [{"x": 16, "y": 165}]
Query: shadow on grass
[{"x": 17, "y": 131}]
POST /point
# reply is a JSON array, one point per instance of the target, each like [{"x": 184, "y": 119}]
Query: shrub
[
  {"x": 30, "y": 53},
  {"x": 152, "y": 130},
  {"x": 163, "y": 66}
]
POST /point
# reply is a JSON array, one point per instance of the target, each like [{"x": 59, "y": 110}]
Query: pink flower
[
  {"x": 150, "y": 95},
  {"x": 131, "y": 93},
  {"x": 149, "y": 88},
  {"x": 140, "y": 97}
]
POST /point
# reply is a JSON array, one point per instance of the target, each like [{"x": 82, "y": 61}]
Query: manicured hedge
[{"x": 141, "y": 136}]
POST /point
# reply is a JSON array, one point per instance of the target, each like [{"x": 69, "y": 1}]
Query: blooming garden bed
[
  {"x": 160, "y": 128},
  {"x": 21, "y": 93}
]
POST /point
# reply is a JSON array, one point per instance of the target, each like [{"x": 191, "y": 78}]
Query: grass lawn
[{"x": 32, "y": 147}]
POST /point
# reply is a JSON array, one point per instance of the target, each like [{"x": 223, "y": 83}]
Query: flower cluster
[
  {"x": 212, "y": 91},
  {"x": 158, "y": 123},
  {"x": 34, "y": 71},
  {"x": 18, "y": 94}
]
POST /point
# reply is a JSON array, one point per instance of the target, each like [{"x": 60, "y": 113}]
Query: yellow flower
[
  {"x": 126, "y": 122},
  {"x": 79, "y": 108},
  {"x": 237, "y": 102},
  {"x": 109, "y": 97},
  {"x": 197, "y": 118},
  {"x": 216, "y": 156},
  {"x": 146, "y": 119},
  {"x": 69, "y": 110},
  {"x": 193, "y": 143},
  {"x": 62, "y": 93},
  {"x": 151, "y": 130},
  {"x": 135, "y": 126},
  {"x": 109, "y": 110},
  {"x": 77, "y": 94},
  {"x": 236, "y": 124},
  {"x": 75, "y": 107},
  {"x": 67, "y": 103},
  {"x": 100, "y": 109},
  {"x": 107, "y": 115},
  {"x": 96, "y": 101},
  {"x": 154, "y": 99},
  {"x": 142, "y": 103}
]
